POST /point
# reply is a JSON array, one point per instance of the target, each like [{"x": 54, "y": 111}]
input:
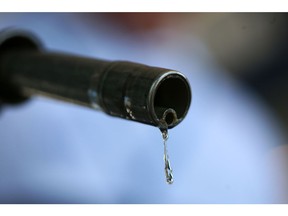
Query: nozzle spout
[{"x": 127, "y": 90}]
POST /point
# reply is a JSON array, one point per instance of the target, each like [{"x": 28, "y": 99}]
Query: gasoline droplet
[{"x": 167, "y": 167}]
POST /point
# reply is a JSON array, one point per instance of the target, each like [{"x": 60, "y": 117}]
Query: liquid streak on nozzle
[{"x": 127, "y": 90}]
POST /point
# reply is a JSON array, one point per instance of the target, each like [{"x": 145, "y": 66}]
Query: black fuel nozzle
[{"x": 124, "y": 89}]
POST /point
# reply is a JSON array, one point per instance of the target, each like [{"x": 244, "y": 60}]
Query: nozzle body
[{"x": 124, "y": 89}]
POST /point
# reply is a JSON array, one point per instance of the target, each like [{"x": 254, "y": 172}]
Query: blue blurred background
[{"x": 231, "y": 148}]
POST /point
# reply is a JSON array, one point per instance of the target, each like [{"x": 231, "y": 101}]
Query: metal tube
[{"x": 124, "y": 89}]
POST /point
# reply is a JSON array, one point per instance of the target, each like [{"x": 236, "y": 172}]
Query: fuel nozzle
[{"x": 128, "y": 90}]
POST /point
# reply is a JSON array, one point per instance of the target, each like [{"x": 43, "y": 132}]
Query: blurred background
[{"x": 231, "y": 148}]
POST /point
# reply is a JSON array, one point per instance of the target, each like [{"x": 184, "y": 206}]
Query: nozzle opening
[{"x": 172, "y": 92}]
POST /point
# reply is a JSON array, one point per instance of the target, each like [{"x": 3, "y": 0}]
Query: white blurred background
[{"x": 231, "y": 148}]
